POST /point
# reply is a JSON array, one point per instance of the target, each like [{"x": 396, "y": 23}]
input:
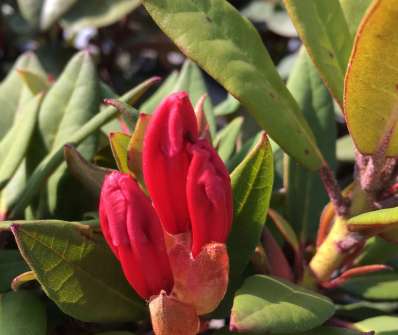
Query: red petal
[
  {"x": 166, "y": 160},
  {"x": 134, "y": 233},
  {"x": 209, "y": 197}
]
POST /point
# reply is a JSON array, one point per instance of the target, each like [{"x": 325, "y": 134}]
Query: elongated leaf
[
  {"x": 252, "y": 186},
  {"x": 379, "y": 286},
  {"x": 324, "y": 31},
  {"x": 22, "y": 313},
  {"x": 119, "y": 144},
  {"x": 307, "y": 197},
  {"x": 97, "y": 13},
  {"x": 55, "y": 158},
  {"x": 228, "y": 47},
  {"x": 68, "y": 105},
  {"x": 267, "y": 305},
  {"x": 11, "y": 265},
  {"x": 371, "y": 98},
  {"x": 225, "y": 140},
  {"x": 382, "y": 218},
  {"x": 36, "y": 83},
  {"x": 52, "y": 10},
  {"x": 13, "y": 92},
  {"x": 382, "y": 325},
  {"x": 354, "y": 10},
  {"x": 14, "y": 145},
  {"x": 285, "y": 229},
  {"x": 227, "y": 106},
  {"x": 64, "y": 257}
]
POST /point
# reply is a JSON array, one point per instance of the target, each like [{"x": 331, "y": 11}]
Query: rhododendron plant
[{"x": 189, "y": 206}]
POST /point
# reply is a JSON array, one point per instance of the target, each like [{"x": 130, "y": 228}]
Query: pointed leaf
[
  {"x": 382, "y": 325},
  {"x": 227, "y": 106},
  {"x": 372, "y": 98},
  {"x": 64, "y": 257},
  {"x": 225, "y": 140},
  {"x": 52, "y": 10},
  {"x": 229, "y": 48},
  {"x": 380, "y": 219},
  {"x": 35, "y": 82},
  {"x": 324, "y": 31},
  {"x": 267, "y": 305}
]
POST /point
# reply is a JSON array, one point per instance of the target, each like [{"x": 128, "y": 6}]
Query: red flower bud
[
  {"x": 209, "y": 196},
  {"x": 166, "y": 160},
  {"x": 133, "y": 232}
]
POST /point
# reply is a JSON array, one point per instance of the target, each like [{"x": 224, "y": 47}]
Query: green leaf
[
  {"x": 30, "y": 11},
  {"x": 68, "y": 105},
  {"x": 267, "y": 305},
  {"x": 307, "y": 197},
  {"x": 378, "y": 286},
  {"x": 52, "y": 10},
  {"x": 149, "y": 105},
  {"x": 11, "y": 265},
  {"x": 119, "y": 144},
  {"x": 324, "y": 31},
  {"x": 366, "y": 90},
  {"x": 382, "y": 325},
  {"x": 97, "y": 13},
  {"x": 226, "y": 139},
  {"x": 354, "y": 10},
  {"x": 382, "y": 218},
  {"x": 345, "y": 149},
  {"x": 227, "y": 106},
  {"x": 22, "y": 312},
  {"x": 285, "y": 229},
  {"x": 13, "y": 92},
  {"x": 64, "y": 257},
  {"x": 55, "y": 158},
  {"x": 191, "y": 81},
  {"x": 90, "y": 175},
  {"x": 252, "y": 186},
  {"x": 377, "y": 251},
  {"x": 316, "y": 331},
  {"x": 14, "y": 145},
  {"x": 228, "y": 47},
  {"x": 35, "y": 82}
]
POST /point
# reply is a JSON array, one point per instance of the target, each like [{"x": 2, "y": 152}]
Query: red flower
[
  {"x": 187, "y": 181},
  {"x": 191, "y": 195}
]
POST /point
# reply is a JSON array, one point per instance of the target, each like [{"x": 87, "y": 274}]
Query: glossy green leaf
[
  {"x": 64, "y": 257},
  {"x": 229, "y": 48},
  {"x": 149, "y": 105},
  {"x": 267, "y": 305},
  {"x": 382, "y": 325},
  {"x": 252, "y": 186},
  {"x": 14, "y": 145},
  {"x": 119, "y": 144},
  {"x": 13, "y": 92},
  {"x": 307, "y": 197},
  {"x": 90, "y": 175},
  {"x": 68, "y": 105},
  {"x": 324, "y": 31},
  {"x": 226, "y": 139},
  {"x": 191, "y": 80},
  {"x": 11, "y": 265},
  {"x": 378, "y": 286},
  {"x": 354, "y": 10},
  {"x": 371, "y": 81},
  {"x": 228, "y": 106},
  {"x": 55, "y": 158},
  {"x": 381, "y": 218},
  {"x": 97, "y": 13},
  {"x": 22, "y": 312}
]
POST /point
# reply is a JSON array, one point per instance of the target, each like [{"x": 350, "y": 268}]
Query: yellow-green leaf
[
  {"x": 371, "y": 84},
  {"x": 119, "y": 144}
]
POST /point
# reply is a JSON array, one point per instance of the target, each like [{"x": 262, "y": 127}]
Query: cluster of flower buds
[{"x": 171, "y": 245}]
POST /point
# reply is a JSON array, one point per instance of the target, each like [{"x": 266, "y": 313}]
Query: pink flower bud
[
  {"x": 133, "y": 232},
  {"x": 209, "y": 196},
  {"x": 166, "y": 160}
]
